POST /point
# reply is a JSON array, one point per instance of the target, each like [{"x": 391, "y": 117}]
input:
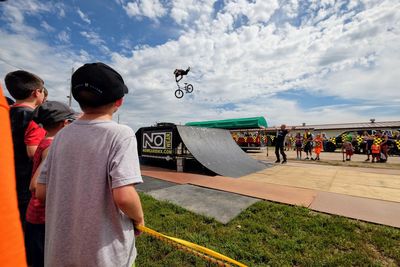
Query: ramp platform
[{"x": 214, "y": 149}]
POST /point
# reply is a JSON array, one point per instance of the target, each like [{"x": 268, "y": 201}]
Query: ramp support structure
[{"x": 180, "y": 164}]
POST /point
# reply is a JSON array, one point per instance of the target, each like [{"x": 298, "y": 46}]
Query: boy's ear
[
  {"x": 66, "y": 122},
  {"x": 119, "y": 102},
  {"x": 36, "y": 92}
]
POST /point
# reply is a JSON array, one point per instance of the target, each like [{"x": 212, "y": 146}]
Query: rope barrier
[{"x": 200, "y": 251}]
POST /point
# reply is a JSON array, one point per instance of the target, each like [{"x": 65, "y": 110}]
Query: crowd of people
[
  {"x": 374, "y": 146},
  {"x": 75, "y": 174},
  {"x": 306, "y": 143}
]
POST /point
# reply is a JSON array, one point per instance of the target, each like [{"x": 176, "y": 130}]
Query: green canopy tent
[{"x": 241, "y": 123}]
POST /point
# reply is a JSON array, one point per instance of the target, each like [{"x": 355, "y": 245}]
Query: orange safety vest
[
  {"x": 375, "y": 149},
  {"x": 12, "y": 251}
]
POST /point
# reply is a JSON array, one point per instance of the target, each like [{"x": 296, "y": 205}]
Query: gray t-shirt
[{"x": 84, "y": 227}]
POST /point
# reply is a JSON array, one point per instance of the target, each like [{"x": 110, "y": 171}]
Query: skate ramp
[{"x": 216, "y": 150}]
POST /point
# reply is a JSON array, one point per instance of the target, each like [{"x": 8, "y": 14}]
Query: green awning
[{"x": 241, "y": 123}]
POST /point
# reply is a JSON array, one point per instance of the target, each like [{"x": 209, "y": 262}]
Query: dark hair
[
  {"x": 85, "y": 101},
  {"x": 53, "y": 126},
  {"x": 20, "y": 84},
  {"x": 10, "y": 101}
]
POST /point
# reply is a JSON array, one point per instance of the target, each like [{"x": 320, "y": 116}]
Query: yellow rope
[{"x": 193, "y": 248}]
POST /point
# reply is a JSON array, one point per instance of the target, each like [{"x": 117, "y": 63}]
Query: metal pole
[{"x": 70, "y": 90}]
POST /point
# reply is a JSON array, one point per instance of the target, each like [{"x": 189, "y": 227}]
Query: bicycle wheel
[
  {"x": 189, "y": 88},
  {"x": 178, "y": 93}
]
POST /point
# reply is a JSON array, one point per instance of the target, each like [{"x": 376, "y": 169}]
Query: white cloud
[
  {"x": 64, "y": 36},
  {"x": 47, "y": 27},
  {"x": 151, "y": 9},
  {"x": 254, "y": 61},
  {"x": 257, "y": 11},
  {"x": 51, "y": 64},
  {"x": 193, "y": 12},
  {"x": 95, "y": 39},
  {"x": 59, "y": 9},
  {"x": 14, "y": 13},
  {"x": 83, "y": 16},
  {"x": 290, "y": 8},
  {"x": 243, "y": 56}
]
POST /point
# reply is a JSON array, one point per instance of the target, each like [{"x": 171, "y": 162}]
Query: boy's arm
[
  {"x": 127, "y": 199},
  {"x": 31, "y": 150},
  {"x": 32, "y": 185},
  {"x": 41, "y": 192},
  {"x": 33, "y": 135}
]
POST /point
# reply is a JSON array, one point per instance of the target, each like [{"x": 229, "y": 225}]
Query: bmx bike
[{"x": 188, "y": 88}]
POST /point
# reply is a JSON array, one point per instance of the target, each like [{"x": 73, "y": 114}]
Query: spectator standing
[
  {"x": 288, "y": 142},
  {"x": 384, "y": 148},
  {"x": 308, "y": 146},
  {"x": 376, "y": 150},
  {"x": 298, "y": 144},
  {"x": 88, "y": 179},
  {"x": 325, "y": 140},
  {"x": 53, "y": 116},
  {"x": 367, "y": 141},
  {"x": 318, "y": 146},
  {"x": 348, "y": 147},
  {"x": 28, "y": 91}
]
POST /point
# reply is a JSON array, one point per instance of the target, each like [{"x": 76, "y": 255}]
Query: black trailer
[{"x": 213, "y": 148}]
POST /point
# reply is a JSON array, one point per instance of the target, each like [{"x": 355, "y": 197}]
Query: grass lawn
[{"x": 268, "y": 234}]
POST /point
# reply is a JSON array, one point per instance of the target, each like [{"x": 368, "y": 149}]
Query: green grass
[{"x": 268, "y": 234}]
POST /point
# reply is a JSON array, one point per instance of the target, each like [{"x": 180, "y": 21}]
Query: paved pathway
[{"x": 335, "y": 179}]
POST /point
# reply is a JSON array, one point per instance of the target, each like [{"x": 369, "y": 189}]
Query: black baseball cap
[
  {"x": 51, "y": 112},
  {"x": 103, "y": 84}
]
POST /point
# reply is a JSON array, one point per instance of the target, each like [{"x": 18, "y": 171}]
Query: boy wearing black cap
[
  {"x": 53, "y": 116},
  {"x": 89, "y": 175}
]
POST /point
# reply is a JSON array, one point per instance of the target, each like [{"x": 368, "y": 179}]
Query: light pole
[{"x": 70, "y": 90}]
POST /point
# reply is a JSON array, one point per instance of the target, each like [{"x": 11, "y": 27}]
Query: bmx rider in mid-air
[{"x": 179, "y": 73}]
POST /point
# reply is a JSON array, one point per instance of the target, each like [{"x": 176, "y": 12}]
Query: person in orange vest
[
  {"x": 376, "y": 150},
  {"x": 318, "y": 146},
  {"x": 12, "y": 250}
]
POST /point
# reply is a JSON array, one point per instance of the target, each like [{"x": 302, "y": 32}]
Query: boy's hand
[{"x": 136, "y": 230}]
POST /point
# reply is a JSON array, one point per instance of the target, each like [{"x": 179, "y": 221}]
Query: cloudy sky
[{"x": 291, "y": 61}]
